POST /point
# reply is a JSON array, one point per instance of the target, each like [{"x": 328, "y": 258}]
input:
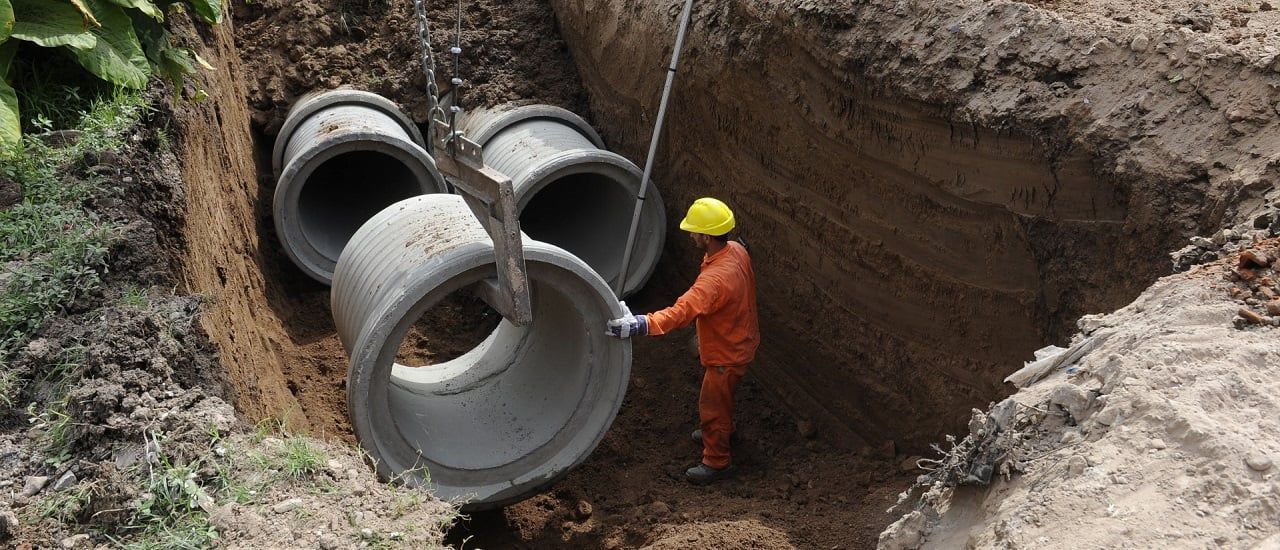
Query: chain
[{"x": 428, "y": 66}]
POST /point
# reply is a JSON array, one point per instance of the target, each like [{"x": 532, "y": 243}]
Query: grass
[
  {"x": 65, "y": 505},
  {"x": 300, "y": 458},
  {"x": 135, "y": 297},
  {"x": 51, "y": 247},
  {"x": 170, "y": 516}
]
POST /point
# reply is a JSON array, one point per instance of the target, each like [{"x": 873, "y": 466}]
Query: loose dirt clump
[{"x": 1161, "y": 435}]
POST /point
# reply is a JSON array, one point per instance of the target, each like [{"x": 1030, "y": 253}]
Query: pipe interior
[
  {"x": 587, "y": 214},
  {"x": 512, "y": 395},
  {"x": 345, "y": 191}
]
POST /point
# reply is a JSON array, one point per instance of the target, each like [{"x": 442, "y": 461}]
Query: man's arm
[{"x": 700, "y": 299}]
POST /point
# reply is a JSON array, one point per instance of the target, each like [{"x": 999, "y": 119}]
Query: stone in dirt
[
  {"x": 8, "y": 524},
  {"x": 10, "y": 193},
  {"x": 1250, "y": 316},
  {"x": 33, "y": 485},
  {"x": 582, "y": 510},
  {"x": 66, "y": 480},
  {"x": 1076, "y": 465},
  {"x": 1258, "y": 462},
  {"x": 75, "y": 541},
  {"x": 287, "y": 506}
]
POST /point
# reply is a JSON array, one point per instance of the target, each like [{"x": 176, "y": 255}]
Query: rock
[
  {"x": 329, "y": 542},
  {"x": 366, "y": 533},
  {"x": 906, "y": 533},
  {"x": 659, "y": 508},
  {"x": 1250, "y": 316},
  {"x": 1157, "y": 444},
  {"x": 1264, "y": 221},
  {"x": 1273, "y": 307},
  {"x": 1250, "y": 258},
  {"x": 1071, "y": 437},
  {"x": 33, "y": 485},
  {"x": 1202, "y": 242},
  {"x": 8, "y": 524},
  {"x": 1072, "y": 399},
  {"x": 287, "y": 506},
  {"x": 1140, "y": 43},
  {"x": 1258, "y": 462},
  {"x": 66, "y": 480},
  {"x": 1108, "y": 416},
  {"x": 582, "y": 510},
  {"x": 75, "y": 541},
  {"x": 1076, "y": 465}
]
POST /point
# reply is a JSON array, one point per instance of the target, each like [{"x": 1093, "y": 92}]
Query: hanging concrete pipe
[
  {"x": 505, "y": 419},
  {"x": 341, "y": 157},
  {"x": 571, "y": 191}
]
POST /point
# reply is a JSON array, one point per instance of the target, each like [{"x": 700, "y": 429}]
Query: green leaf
[
  {"x": 51, "y": 23},
  {"x": 144, "y": 6},
  {"x": 117, "y": 57},
  {"x": 10, "y": 123},
  {"x": 175, "y": 65},
  {"x": 6, "y": 19},
  {"x": 209, "y": 10}
]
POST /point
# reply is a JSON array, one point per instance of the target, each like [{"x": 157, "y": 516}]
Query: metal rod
[{"x": 653, "y": 145}]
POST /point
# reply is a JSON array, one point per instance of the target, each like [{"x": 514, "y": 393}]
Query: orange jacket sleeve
[{"x": 701, "y": 298}]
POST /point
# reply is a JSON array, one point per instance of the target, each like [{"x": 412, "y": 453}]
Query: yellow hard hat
[{"x": 708, "y": 216}]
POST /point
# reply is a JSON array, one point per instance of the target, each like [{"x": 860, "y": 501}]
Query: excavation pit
[{"x": 908, "y": 257}]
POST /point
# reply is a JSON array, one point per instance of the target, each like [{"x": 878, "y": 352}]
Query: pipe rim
[
  {"x": 491, "y": 127},
  {"x": 314, "y": 102},
  {"x": 372, "y": 363},
  {"x": 582, "y": 161},
  {"x": 315, "y": 263}
]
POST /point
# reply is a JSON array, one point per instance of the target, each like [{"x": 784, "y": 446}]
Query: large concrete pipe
[
  {"x": 571, "y": 191},
  {"x": 341, "y": 157},
  {"x": 505, "y": 419}
]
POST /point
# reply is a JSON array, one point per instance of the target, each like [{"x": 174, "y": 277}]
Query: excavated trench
[{"x": 907, "y": 259}]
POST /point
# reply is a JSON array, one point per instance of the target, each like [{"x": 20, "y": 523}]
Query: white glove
[{"x": 628, "y": 325}]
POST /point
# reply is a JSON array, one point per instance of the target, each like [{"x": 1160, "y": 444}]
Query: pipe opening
[
  {"x": 503, "y": 400},
  {"x": 587, "y": 214},
  {"x": 345, "y": 191},
  {"x": 447, "y": 331}
]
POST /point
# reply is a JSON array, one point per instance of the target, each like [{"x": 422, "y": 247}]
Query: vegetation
[
  {"x": 120, "y": 42},
  {"x": 51, "y": 247}
]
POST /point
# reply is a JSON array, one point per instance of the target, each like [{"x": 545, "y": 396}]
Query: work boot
[{"x": 703, "y": 474}]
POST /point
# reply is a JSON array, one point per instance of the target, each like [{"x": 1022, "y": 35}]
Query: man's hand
[{"x": 628, "y": 325}]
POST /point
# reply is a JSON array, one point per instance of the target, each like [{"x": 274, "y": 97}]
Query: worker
[{"x": 722, "y": 303}]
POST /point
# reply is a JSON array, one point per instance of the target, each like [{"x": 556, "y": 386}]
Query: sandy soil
[{"x": 1162, "y": 435}]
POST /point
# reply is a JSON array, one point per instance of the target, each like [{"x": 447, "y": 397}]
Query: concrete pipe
[
  {"x": 341, "y": 157},
  {"x": 505, "y": 419},
  {"x": 572, "y": 192}
]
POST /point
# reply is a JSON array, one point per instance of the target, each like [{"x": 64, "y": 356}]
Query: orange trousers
[{"x": 715, "y": 412}]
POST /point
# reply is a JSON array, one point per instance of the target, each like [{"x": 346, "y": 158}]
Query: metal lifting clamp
[
  {"x": 492, "y": 199},
  {"x": 488, "y": 192}
]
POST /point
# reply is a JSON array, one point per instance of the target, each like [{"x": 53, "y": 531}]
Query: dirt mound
[
  {"x": 1162, "y": 434},
  {"x": 512, "y": 52}
]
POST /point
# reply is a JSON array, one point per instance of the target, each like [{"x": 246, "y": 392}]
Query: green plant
[
  {"x": 50, "y": 247},
  {"x": 300, "y": 458},
  {"x": 135, "y": 297},
  {"x": 67, "y": 504},
  {"x": 170, "y": 515},
  {"x": 118, "y": 41}
]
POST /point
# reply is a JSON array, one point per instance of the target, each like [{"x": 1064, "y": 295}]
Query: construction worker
[{"x": 722, "y": 302}]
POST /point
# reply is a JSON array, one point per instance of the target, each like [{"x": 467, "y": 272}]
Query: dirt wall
[
  {"x": 223, "y": 247},
  {"x": 926, "y": 203}
]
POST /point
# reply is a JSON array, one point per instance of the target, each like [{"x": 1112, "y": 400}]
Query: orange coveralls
[{"x": 723, "y": 302}]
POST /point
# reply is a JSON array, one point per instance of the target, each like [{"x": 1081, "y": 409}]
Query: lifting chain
[{"x": 436, "y": 112}]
